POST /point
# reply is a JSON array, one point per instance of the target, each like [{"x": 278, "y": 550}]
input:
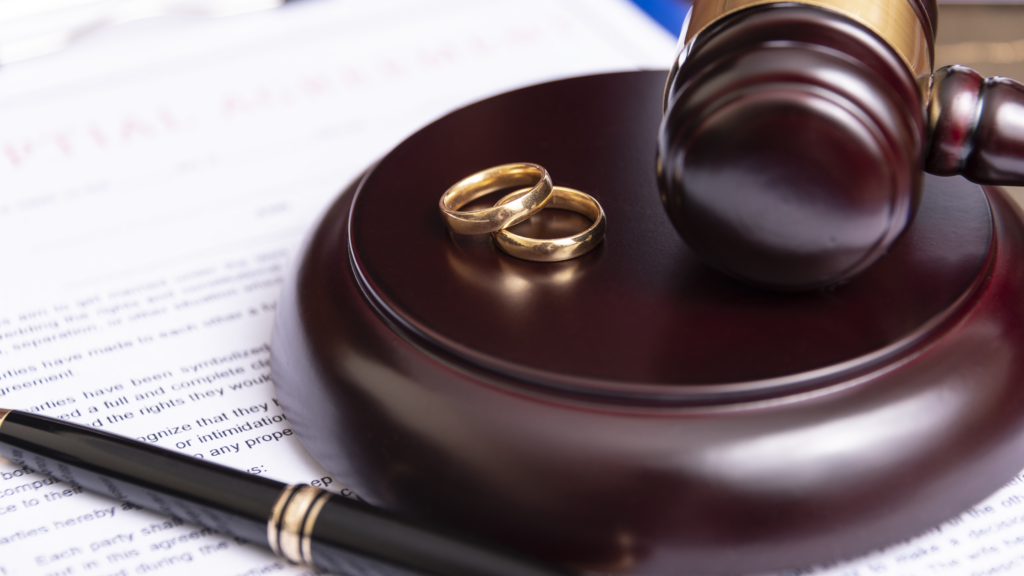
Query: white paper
[{"x": 155, "y": 180}]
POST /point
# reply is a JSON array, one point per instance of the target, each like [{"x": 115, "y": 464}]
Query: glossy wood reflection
[
  {"x": 633, "y": 410},
  {"x": 791, "y": 146},
  {"x": 791, "y": 151},
  {"x": 977, "y": 127}
]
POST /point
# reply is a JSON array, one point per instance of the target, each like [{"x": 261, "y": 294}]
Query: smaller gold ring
[
  {"x": 556, "y": 249},
  {"x": 493, "y": 179}
]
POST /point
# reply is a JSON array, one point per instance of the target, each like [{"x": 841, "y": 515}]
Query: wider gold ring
[
  {"x": 527, "y": 204},
  {"x": 557, "y": 249}
]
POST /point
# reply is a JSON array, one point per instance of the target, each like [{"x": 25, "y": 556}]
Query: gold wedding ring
[
  {"x": 501, "y": 215},
  {"x": 557, "y": 249}
]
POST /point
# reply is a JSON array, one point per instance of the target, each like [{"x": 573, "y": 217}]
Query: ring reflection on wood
[{"x": 633, "y": 410}]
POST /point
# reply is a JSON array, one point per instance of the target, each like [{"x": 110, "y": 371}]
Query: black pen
[{"x": 304, "y": 524}]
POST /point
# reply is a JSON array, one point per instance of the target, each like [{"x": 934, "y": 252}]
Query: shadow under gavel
[{"x": 791, "y": 152}]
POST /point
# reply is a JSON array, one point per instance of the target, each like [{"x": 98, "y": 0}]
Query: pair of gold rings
[{"x": 518, "y": 207}]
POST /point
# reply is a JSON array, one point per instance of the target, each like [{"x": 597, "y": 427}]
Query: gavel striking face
[{"x": 794, "y": 137}]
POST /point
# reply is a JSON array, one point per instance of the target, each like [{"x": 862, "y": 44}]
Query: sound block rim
[
  {"x": 433, "y": 285},
  {"x": 422, "y": 432}
]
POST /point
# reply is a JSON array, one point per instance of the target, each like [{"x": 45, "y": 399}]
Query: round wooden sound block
[{"x": 633, "y": 410}]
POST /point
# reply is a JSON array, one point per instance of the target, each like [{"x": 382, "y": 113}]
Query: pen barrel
[
  {"x": 301, "y": 523},
  {"x": 343, "y": 524},
  {"x": 207, "y": 494}
]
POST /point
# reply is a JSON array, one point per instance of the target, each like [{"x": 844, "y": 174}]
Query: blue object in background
[{"x": 669, "y": 13}]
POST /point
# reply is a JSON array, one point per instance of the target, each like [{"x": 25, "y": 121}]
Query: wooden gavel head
[{"x": 791, "y": 150}]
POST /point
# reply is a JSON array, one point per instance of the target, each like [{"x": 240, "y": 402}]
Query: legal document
[{"x": 156, "y": 179}]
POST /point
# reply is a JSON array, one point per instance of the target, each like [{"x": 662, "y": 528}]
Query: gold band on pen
[
  {"x": 492, "y": 180},
  {"x": 306, "y": 543},
  {"x": 3, "y": 414},
  {"x": 896, "y": 21},
  {"x": 290, "y": 527},
  {"x": 273, "y": 524},
  {"x": 557, "y": 249}
]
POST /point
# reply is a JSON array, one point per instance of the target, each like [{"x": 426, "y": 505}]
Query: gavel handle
[{"x": 976, "y": 127}]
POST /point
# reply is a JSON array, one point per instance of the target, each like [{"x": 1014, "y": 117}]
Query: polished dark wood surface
[
  {"x": 634, "y": 410},
  {"x": 928, "y": 12},
  {"x": 791, "y": 147},
  {"x": 977, "y": 127},
  {"x": 643, "y": 286}
]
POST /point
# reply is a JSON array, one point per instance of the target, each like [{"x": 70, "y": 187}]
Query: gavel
[{"x": 795, "y": 134}]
